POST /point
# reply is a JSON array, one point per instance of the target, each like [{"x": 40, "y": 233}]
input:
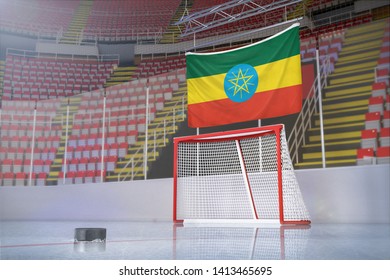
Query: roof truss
[{"x": 230, "y": 11}]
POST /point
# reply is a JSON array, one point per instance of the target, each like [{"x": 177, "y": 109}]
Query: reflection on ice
[
  {"x": 89, "y": 246},
  {"x": 241, "y": 243}
]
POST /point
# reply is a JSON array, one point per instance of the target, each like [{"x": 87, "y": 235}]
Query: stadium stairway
[
  {"x": 74, "y": 102},
  {"x": 345, "y": 100},
  {"x": 56, "y": 165},
  {"x": 299, "y": 10},
  {"x": 121, "y": 75},
  {"x": 171, "y": 35},
  {"x": 167, "y": 120},
  {"x": 73, "y": 35}
]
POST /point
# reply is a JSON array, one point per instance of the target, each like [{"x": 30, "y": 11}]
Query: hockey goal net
[{"x": 241, "y": 175}]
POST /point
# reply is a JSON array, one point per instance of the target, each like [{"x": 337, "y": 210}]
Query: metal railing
[
  {"x": 59, "y": 56},
  {"x": 51, "y": 123},
  {"x": 138, "y": 160},
  {"x": 310, "y": 107}
]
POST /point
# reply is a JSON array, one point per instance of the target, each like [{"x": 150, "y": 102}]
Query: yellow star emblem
[{"x": 240, "y": 82}]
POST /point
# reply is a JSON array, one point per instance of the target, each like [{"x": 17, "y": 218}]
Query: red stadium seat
[
  {"x": 20, "y": 179},
  {"x": 78, "y": 152},
  {"x": 6, "y": 166},
  {"x": 98, "y": 177},
  {"x": 41, "y": 179},
  {"x": 17, "y": 165},
  {"x": 382, "y": 75},
  {"x": 8, "y": 179},
  {"x": 73, "y": 164},
  {"x": 375, "y": 104},
  {"x": 70, "y": 177},
  {"x": 373, "y": 120},
  {"x": 79, "y": 177},
  {"x": 365, "y": 156},
  {"x": 82, "y": 165},
  {"x": 89, "y": 176},
  {"x": 383, "y": 155},
  {"x": 38, "y": 166},
  {"x": 384, "y": 137},
  {"x": 386, "y": 119},
  {"x": 379, "y": 89},
  {"x": 369, "y": 139}
]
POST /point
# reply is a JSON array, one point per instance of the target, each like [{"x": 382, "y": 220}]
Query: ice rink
[{"x": 164, "y": 241}]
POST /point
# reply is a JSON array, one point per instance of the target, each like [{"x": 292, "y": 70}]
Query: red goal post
[{"x": 236, "y": 176}]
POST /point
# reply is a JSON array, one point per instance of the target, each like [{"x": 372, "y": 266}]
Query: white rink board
[{"x": 357, "y": 194}]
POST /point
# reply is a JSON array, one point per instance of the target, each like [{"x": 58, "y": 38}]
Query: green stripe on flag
[{"x": 263, "y": 52}]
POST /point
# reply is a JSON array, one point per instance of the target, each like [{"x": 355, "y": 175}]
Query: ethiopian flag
[{"x": 258, "y": 81}]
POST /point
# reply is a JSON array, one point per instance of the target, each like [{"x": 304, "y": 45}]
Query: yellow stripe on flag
[{"x": 278, "y": 74}]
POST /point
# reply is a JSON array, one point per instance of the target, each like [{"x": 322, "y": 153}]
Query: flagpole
[
  {"x": 146, "y": 133},
  {"x": 320, "y": 109},
  {"x": 197, "y": 131},
  {"x": 260, "y": 148}
]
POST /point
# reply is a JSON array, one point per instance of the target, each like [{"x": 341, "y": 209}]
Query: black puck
[{"x": 90, "y": 234}]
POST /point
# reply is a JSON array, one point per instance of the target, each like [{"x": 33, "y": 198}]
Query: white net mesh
[
  {"x": 236, "y": 177},
  {"x": 294, "y": 206},
  {"x": 211, "y": 181}
]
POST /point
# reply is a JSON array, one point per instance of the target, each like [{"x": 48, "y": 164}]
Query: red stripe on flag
[{"x": 262, "y": 105}]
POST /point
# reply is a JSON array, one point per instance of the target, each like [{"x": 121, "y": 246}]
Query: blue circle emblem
[{"x": 241, "y": 82}]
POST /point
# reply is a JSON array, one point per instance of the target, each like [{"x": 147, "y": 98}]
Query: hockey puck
[{"x": 90, "y": 234}]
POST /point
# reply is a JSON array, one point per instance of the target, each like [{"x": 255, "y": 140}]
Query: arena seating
[
  {"x": 379, "y": 101},
  {"x": 152, "y": 67},
  {"x": 36, "y": 17},
  {"x": 124, "y": 122},
  {"x": 17, "y": 152},
  {"x": 335, "y": 27},
  {"x": 329, "y": 46},
  {"x": 44, "y": 78},
  {"x": 129, "y": 20},
  {"x": 72, "y": 177},
  {"x": 353, "y": 100}
]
